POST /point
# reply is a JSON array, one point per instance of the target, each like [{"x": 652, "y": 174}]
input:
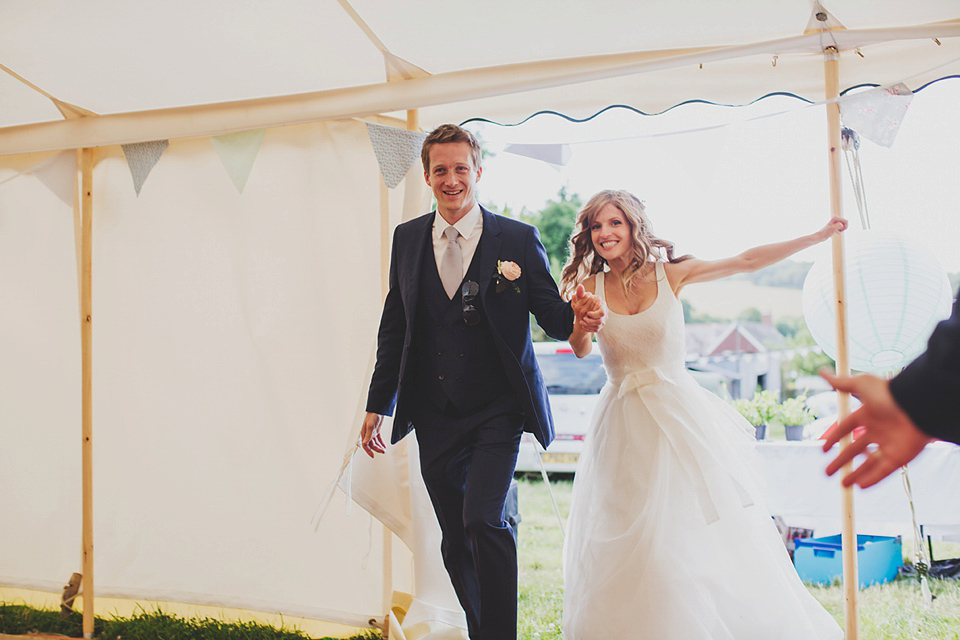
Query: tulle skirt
[{"x": 667, "y": 536}]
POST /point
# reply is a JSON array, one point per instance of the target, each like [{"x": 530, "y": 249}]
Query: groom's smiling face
[{"x": 453, "y": 178}]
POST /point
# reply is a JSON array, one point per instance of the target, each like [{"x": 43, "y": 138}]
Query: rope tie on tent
[
  {"x": 553, "y": 498},
  {"x": 345, "y": 468},
  {"x": 921, "y": 558}
]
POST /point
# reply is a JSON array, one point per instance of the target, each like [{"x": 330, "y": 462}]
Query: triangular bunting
[
  {"x": 876, "y": 114},
  {"x": 141, "y": 158},
  {"x": 555, "y": 154},
  {"x": 396, "y": 150},
  {"x": 237, "y": 152},
  {"x": 59, "y": 174}
]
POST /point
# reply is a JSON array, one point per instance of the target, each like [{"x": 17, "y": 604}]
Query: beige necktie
[{"x": 451, "y": 264}]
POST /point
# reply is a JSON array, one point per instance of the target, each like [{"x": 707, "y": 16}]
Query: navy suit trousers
[{"x": 467, "y": 464}]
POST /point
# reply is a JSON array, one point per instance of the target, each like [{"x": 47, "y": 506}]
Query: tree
[{"x": 555, "y": 223}]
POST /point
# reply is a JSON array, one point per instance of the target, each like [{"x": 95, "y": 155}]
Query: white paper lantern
[{"x": 896, "y": 293}]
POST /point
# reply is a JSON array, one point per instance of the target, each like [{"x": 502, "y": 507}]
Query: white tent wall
[
  {"x": 232, "y": 342},
  {"x": 39, "y": 382},
  {"x": 233, "y": 333}
]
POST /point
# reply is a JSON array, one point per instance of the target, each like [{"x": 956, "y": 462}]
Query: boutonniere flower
[{"x": 507, "y": 273}]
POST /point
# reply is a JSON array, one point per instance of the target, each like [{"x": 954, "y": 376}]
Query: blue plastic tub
[{"x": 820, "y": 560}]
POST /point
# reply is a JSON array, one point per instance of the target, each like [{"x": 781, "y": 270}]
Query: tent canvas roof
[{"x": 151, "y": 71}]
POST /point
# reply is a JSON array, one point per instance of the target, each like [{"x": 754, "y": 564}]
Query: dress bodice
[{"x": 652, "y": 338}]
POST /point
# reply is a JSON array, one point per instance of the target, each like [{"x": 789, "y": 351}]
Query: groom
[{"x": 455, "y": 360}]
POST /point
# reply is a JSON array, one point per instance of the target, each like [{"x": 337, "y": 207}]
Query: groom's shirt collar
[
  {"x": 467, "y": 225},
  {"x": 470, "y": 227}
]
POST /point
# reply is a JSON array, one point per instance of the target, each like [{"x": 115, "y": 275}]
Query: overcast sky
[{"x": 717, "y": 180}]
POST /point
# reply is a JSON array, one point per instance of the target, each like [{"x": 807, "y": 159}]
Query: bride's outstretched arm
[{"x": 693, "y": 270}]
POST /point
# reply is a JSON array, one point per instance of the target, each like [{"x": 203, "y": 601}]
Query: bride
[{"x": 668, "y": 537}]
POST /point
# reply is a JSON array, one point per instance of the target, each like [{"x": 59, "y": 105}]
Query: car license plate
[{"x": 559, "y": 458}]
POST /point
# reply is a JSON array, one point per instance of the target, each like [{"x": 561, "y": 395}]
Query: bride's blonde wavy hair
[{"x": 584, "y": 260}]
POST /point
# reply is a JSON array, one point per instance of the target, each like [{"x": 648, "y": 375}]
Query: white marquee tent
[{"x": 240, "y": 222}]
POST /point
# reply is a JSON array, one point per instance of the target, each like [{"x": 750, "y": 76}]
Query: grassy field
[
  {"x": 21, "y": 620},
  {"x": 893, "y": 611}
]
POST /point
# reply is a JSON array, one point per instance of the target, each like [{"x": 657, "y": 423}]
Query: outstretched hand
[
  {"x": 890, "y": 438},
  {"x": 588, "y": 310}
]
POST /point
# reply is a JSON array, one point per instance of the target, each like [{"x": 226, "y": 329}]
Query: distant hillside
[
  {"x": 788, "y": 274},
  {"x": 728, "y": 297},
  {"x": 776, "y": 290}
]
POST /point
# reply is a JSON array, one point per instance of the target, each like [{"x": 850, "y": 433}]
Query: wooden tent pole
[
  {"x": 86, "y": 341},
  {"x": 412, "y": 125},
  {"x": 848, "y": 531},
  {"x": 387, "y": 592}
]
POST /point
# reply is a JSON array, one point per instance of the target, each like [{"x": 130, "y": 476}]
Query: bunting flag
[
  {"x": 58, "y": 173},
  {"x": 237, "y": 152},
  {"x": 396, "y": 149},
  {"x": 553, "y": 154},
  {"x": 876, "y": 114},
  {"x": 141, "y": 158}
]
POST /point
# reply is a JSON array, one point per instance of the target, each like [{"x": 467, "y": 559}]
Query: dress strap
[{"x": 598, "y": 287}]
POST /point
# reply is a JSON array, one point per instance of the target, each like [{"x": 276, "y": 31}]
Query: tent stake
[
  {"x": 86, "y": 344},
  {"x": 848, "y": 532}
]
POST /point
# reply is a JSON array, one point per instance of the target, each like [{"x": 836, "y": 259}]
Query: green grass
[
  {"x": 892, "y": 611},
  {"x": 153, "y": 625},
  {"x": 540, "y": 598}
]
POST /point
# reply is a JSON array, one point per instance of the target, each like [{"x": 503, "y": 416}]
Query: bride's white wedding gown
[{"x": 667, "y": 536}]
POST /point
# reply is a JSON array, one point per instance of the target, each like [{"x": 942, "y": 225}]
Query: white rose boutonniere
[{"x": 507, "y": 273}]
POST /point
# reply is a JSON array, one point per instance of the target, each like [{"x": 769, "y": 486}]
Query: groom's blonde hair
[{"x": 450, "y": 133}]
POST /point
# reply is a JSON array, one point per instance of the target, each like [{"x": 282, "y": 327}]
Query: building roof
[{"x": 714, "y": 338}]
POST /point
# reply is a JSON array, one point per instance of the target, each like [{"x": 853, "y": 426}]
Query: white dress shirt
[{"x": 470, "y": 227}]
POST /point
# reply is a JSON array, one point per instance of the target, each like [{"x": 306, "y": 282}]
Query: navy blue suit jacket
[
  {"x": 928, "y": 389},
  {"x": 507, "y": 312}
]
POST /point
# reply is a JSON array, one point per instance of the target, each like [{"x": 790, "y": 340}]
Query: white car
[{"x": 574, "y": 385}]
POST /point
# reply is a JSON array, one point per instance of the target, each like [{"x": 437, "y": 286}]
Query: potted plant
[
  {"x": 758, "y": 411},
  {"x": 794, "y": 415},
  {"x": 749, "y": 411}
]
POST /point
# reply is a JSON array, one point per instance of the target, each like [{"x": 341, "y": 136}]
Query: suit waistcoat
[{"x": 456, "y": 364}]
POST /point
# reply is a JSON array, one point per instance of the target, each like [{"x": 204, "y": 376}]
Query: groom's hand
[
  {"x": 589, "y": 310},
  {"x": 370, "y": 439}
]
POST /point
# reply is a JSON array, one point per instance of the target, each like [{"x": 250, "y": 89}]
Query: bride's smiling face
[{"x": 611, "y": 235}]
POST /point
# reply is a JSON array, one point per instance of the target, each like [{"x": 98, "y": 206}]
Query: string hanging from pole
[
  {"x": 921, "y": 556},
  {"x": 851, "y": 147}
]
